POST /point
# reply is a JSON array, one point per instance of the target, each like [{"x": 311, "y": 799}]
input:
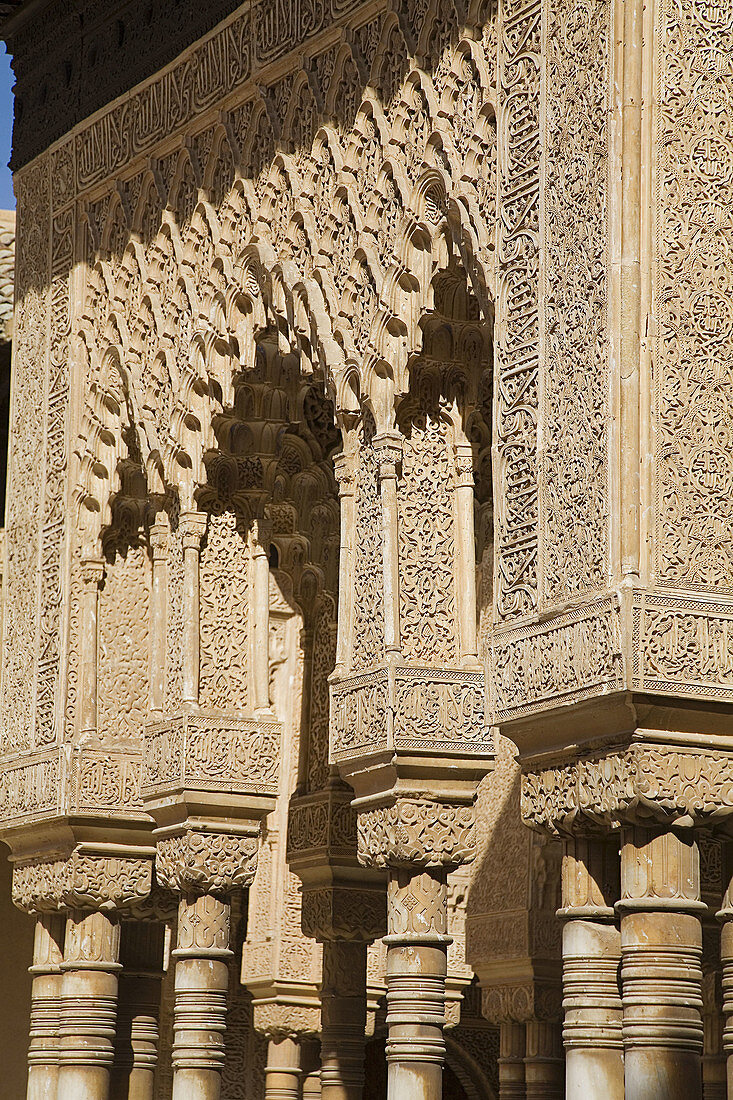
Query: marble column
[
  {"x": 726, "y": 960},
  {"x": 283, "y": 1070},
  {"x": 311, "y": 1065},
  {"x": 88, "y": 1005},
  {"x": 343, "y": 1020},
  {"x": 512, "y": 1045},
  {"x": 592, "y": 1032},
  {"x": 193, "y": 528},
  {"x": 136, "y": 1046},
  {"x": 46, "y": 972},
  {"x": 661, "y": 975},
  {"x": 544, "y": 1071},
  {"x": 201, "y": 958},
  {"x": 417, "y": 946}
]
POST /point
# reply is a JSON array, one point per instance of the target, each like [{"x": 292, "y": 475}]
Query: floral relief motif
[
  {"x": 517, "y": 333},
  {"x": 427, "y": 550},
  {"x": 575, "y": 539},
  {"x": 207, "y": 863},
  {"x": 694, "y": 193},
  {"x": 417, "y": 831},
  {"x": 225, "y": 599}
]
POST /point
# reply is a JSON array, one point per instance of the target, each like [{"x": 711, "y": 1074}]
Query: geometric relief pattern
[{"x": 694, "y": 422}]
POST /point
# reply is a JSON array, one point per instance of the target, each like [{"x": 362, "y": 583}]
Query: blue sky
[{"x": 7, "y": 198}]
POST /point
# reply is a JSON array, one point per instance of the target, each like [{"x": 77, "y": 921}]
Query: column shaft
[
  {"x": 311, "y": 1065},
  {"x": 661, "y": 946},
  {"x": 136, "y": 1045},
  {"x": 282, "y": 1072},
  {"x": 193, "y": 526},
  {"x": 201, "y": 983},
  {"x": 416, "y": 971},
  {"x": 512, "y": 1044},
  {"x": 544, "y": 1071},
  {"x": 43, "y": 1052},
  {"x": 88, "y": 1006},
  {"x": 343, "y": 1020},
  {"x": 591, "y": 949}
]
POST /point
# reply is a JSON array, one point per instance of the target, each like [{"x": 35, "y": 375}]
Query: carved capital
[
  {"x": 344, "y": 914},
  {"x": 673, "y": 785},
  {"x": 92, "y": 571},
  {"x": 417, "y": 832},
  {"x": 277, "y": 1020},
  {"x": 83, "y": 880},
  {"x": 206, "y": 863},
  {"x": 343, "y": 467},
  {"x": 192, "y": 527},
  {"x": 388, "y": 450},
  {"x": 159, "y": 536},
  {"x": 522, "y": 1001},
  {"x": 464, "y": 465}
]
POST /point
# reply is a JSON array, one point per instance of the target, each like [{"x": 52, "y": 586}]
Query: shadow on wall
[{"x": 16, "y": 951}]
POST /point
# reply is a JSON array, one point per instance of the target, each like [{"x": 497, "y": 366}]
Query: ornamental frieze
[
  {"x": 408, "y": 708},
  {"x": 221, "y": 753},
  {"x": 566, "y": 658}
]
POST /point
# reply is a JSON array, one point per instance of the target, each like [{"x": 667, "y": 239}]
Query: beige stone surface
[{"x": 369, "y": 501}]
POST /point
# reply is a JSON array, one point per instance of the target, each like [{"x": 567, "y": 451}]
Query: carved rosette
[
  {"x": 83, "y": 880},
  {"x": 417, "y": 832},
  {"x": 206, "y": 863},
  {"x": 672, "y": 784}
]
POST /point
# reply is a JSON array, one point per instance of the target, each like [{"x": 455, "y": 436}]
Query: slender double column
[
  {"x": 417, "y": 945},
  {"x": 88, "y": 1005},
  {"x": 661, "y": 948},
  {"x": 591, "y": 947},
  {"x": 343, "y": 1020},
  {"x": 43, "y": 1049},
  {"x": 543, "y": 1062}
]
